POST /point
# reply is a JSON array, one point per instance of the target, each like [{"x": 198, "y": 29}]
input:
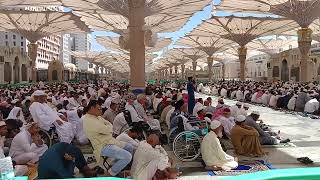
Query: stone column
[
  {"x": 242, "y": 52},
  {"x": 166, "y": 73},
  {"x": 194, "y": 68},
  {"x": 210, "y": 62},
  {"x": 137, "y": 46},
  {"x": 96, "y": 71},
  {"x": 176, "y": 71},
  {"x": 223, "y": 71},
  {"x": 12, "y": 73},
  {"x": 163, "y": 74},
  {"x": 170, "y": 73},
  {"x": 32, "y": 53},
  {"x": 304, "y": 41},
  {"x": 183, "y": 67},
  {"x": 159, "y": 74},
  {"x": 1, "y": 72},
  {"x": 20, "y": 72}
]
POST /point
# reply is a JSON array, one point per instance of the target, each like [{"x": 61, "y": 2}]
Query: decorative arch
[
  {"x": 284, "y": 70},
  {"x": 24, "y": 72},
  {"x": 16, "y": 69},
  {"x": 295, "y": 73},
  {"x": 7, "y": 72},
  {"x": 55, "y": 71}
]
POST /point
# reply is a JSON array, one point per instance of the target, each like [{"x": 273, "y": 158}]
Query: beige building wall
[
  {"x": 14, "y": 65},
  {"x": 232, "y": 70},
  {"x": 286, "y": 65},
  {"x": 256, "y": 67},
  {"x": 217, "y": 71}
]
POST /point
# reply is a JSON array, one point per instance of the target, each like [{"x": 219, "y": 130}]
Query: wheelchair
[
  {"x": 186, "y": 144},
  {"x": 49, "y": 137}
]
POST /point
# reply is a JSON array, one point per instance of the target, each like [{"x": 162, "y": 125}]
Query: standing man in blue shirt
[{"x": 191, "y": 98}]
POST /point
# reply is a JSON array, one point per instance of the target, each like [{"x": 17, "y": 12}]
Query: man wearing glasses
[{"x": 99, "y": 132}]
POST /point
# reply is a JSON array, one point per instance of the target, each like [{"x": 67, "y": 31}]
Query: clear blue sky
[{"x": 193, "y": 22}]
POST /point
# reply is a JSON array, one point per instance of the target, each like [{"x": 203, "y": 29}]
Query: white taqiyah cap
[
  {"x": 240, "y": 118},
  {"x": 246, "y": 105},
  {"x": 199, "y": 108},
  {"x": 14, "y": 101},
  {"x": 39, "y": 93},
  {"x": 2, "y": 123},
  {"x": 239, "y": 104},
  {"x": 215, "y": 124},
  {"x": 256, "y": 112}
]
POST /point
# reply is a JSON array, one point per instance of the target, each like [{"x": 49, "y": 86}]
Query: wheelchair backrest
[{"x": 127, "y": 117}]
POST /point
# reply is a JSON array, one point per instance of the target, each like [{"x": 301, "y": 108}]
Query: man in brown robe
[{"x": 245, "y": 139}]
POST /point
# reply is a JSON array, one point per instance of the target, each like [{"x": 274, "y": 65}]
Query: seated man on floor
[
  {"x": 19, "y": 170},
  {"x": 151, "y": 161},
  {"x": 212, "y": 153},
  {"x": 178, "y": 118},
  {"x": 265, "y": 137},
  {"x": 136, "y": 107},
  {"x": 99, "y": 132},
  {"x": 245, "y": 139},
  {"x": 59, "y": 161},
  {"x": 27, "y": 146},
  {"x": 227, "y": 121},
  {"x": 131, "y": 136}
]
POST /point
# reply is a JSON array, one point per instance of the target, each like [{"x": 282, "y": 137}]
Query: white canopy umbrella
[
  {"x": 243, "y": 30},
  {"x": 303, "y": 12}
]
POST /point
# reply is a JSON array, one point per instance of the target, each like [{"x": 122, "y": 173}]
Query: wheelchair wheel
[
  {"x": 45, "y": 137},
  {"x": 186, "y": 146}
]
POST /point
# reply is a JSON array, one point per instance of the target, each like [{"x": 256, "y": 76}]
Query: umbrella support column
[
  {"x": 32, "y": 53},
  {"x": 137, "y": 46},
  {"x": 242, "y": 52},
  {"x": 210, "y": 62},
  {"x": 304, "y": 41}
]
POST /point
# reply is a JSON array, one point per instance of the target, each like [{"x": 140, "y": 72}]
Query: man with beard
[{"x": 212, "y": 153}]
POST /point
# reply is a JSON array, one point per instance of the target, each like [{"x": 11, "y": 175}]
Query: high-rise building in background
[
  {"x": 81, "y": 42},
  {"x": 65, "y": 48},
  {"x": 13, "y": 40},
  {"x": 48, "y": 50}
]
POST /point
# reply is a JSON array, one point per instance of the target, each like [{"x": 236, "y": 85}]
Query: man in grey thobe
[{"x": 265, "y": 138}]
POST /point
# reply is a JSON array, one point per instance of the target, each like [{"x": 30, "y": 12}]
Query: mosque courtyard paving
[{"x": 303, "y": 132}]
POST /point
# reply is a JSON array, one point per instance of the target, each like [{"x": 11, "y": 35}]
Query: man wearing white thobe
[
  {"x": 265, "y": 98},
  {"x": 27, "y": 146},
  {"x": 73, "y": 104},
  {"x": 46, "y": 117},
  {"x": 223, "y": 92},
  {"x": 234, "y": 109},
  {"x": 212, "y": 153},
  {"x": 227, "y": 121},
  {"x": 311, "y": 106},
  {"x": 16, "y": 112},
  {"x": 148, "y": 158},
  {"x": 19, "y": 170},
  {"x": 138, "y": 113},
  {"x": 239, "y": 95},
  {"x": 292, "y": 102},
  {"x": 74, "y": 117}
]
